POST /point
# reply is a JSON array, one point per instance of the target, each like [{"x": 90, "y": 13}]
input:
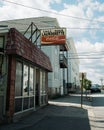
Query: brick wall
[
  {"x": 10, "y": 86},
  {"x": 19, "y": 45}
]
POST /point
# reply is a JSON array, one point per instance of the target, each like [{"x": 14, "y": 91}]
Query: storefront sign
[{"x": 53, "y": 36}]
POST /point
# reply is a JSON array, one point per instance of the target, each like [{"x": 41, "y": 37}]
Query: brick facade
[
  {"x": 11, "y": 86},
  {"x": 19, "y": 46}
]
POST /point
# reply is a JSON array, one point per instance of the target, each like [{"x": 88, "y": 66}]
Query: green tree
[{"x": 86, "y": 84}]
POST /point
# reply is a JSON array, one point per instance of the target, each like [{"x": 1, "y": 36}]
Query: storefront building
[
  {"x": 65, "y": 70},
  {"x": 23, "y": 76},
  {"x": 57, "y": 84}
]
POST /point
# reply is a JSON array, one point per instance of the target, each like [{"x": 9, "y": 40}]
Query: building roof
[
  {"x": 22, "y": 24},
  {"x": 40, "y": 22},
  {"x": 19, "y": 45}
]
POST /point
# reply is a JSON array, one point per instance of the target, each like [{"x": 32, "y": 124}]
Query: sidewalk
[{"x": 63, "y": 113}]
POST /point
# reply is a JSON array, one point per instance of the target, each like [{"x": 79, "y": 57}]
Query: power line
[
  {"x": 92, "y": 52},
  {"x": 53, "y": 12},
  {"x": 85, "y": 57},
  {"x": 81, "y": 55},
  {"x": 88, "y": 55},
  {"x": 77, "y": 28}
]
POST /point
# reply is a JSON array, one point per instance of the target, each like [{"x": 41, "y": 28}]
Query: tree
[{"x": 86, "y": 84}]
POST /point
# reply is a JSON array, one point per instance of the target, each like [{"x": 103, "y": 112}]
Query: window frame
[{"x": 30, "y": 103}]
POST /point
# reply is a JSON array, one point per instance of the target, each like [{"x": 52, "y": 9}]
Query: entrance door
[{"x": 37, "y": 89}]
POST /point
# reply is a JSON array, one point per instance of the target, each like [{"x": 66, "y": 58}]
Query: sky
[{"x": 83, "y": 19}]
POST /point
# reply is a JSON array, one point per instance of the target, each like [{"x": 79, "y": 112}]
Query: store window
[
  {"x": 1, "y": 42},
  {"x": 1, "y": 58},
  {"x": 43, "y": 88},
  {"x": 24, "y": 87},
  {"x": 31, "y": 87},
  {"x": 18, "y": 82},
  {"x": 3, "y": 76},
  {"x": 25, "y": 80},
  {"x": 18, "y": 87}
]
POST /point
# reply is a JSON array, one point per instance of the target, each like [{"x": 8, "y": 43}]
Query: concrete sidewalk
[{"x": 63, "y": 113}]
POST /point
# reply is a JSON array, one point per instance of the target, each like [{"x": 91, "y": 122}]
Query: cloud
[
  {"x": 89, "y": 13},
  {"x": 29, "y": 9},
  {"x": 101, "y": 7},
  {"x": 55, "y": 1},
  {"x": 93, "y": 67},
  {"x": 86, "y": 9}
]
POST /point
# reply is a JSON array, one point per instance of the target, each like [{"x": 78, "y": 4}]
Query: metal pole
[{"x": 82, "y": 90}]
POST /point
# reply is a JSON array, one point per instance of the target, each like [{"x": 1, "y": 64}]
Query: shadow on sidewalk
[
  {"x": 74, "y": 99},
  {"x": 60, "y": 116}
]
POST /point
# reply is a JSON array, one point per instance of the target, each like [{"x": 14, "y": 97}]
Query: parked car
[{"x": 95, "y": 88}]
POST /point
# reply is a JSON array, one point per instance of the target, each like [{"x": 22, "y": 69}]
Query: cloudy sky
[{"x": 84, "y": 20}]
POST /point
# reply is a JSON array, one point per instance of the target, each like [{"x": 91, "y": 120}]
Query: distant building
[{"x": 73, "y": 67}]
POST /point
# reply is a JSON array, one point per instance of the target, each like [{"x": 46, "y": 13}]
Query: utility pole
[
  {"x": 101, "y": 82},
  {"x": 82, "y": 90}
]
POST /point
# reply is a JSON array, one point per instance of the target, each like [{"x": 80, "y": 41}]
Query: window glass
[
  {"x": 31, "y": 102},
  {"x": 41, "y": 92},
  {"x": 24, "y": 87},
  {"x": 31, "y": 82},
  {"x": 18, "y": 104},
  {"x": 1, "y": 42},
  {"x": 25, "y": 103},
  {"x": 18, "y": 87},
  {"x": 43, "y": 87},
  {"x": 43, "y": 82},
  {"x": 25, "y": 80}
]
